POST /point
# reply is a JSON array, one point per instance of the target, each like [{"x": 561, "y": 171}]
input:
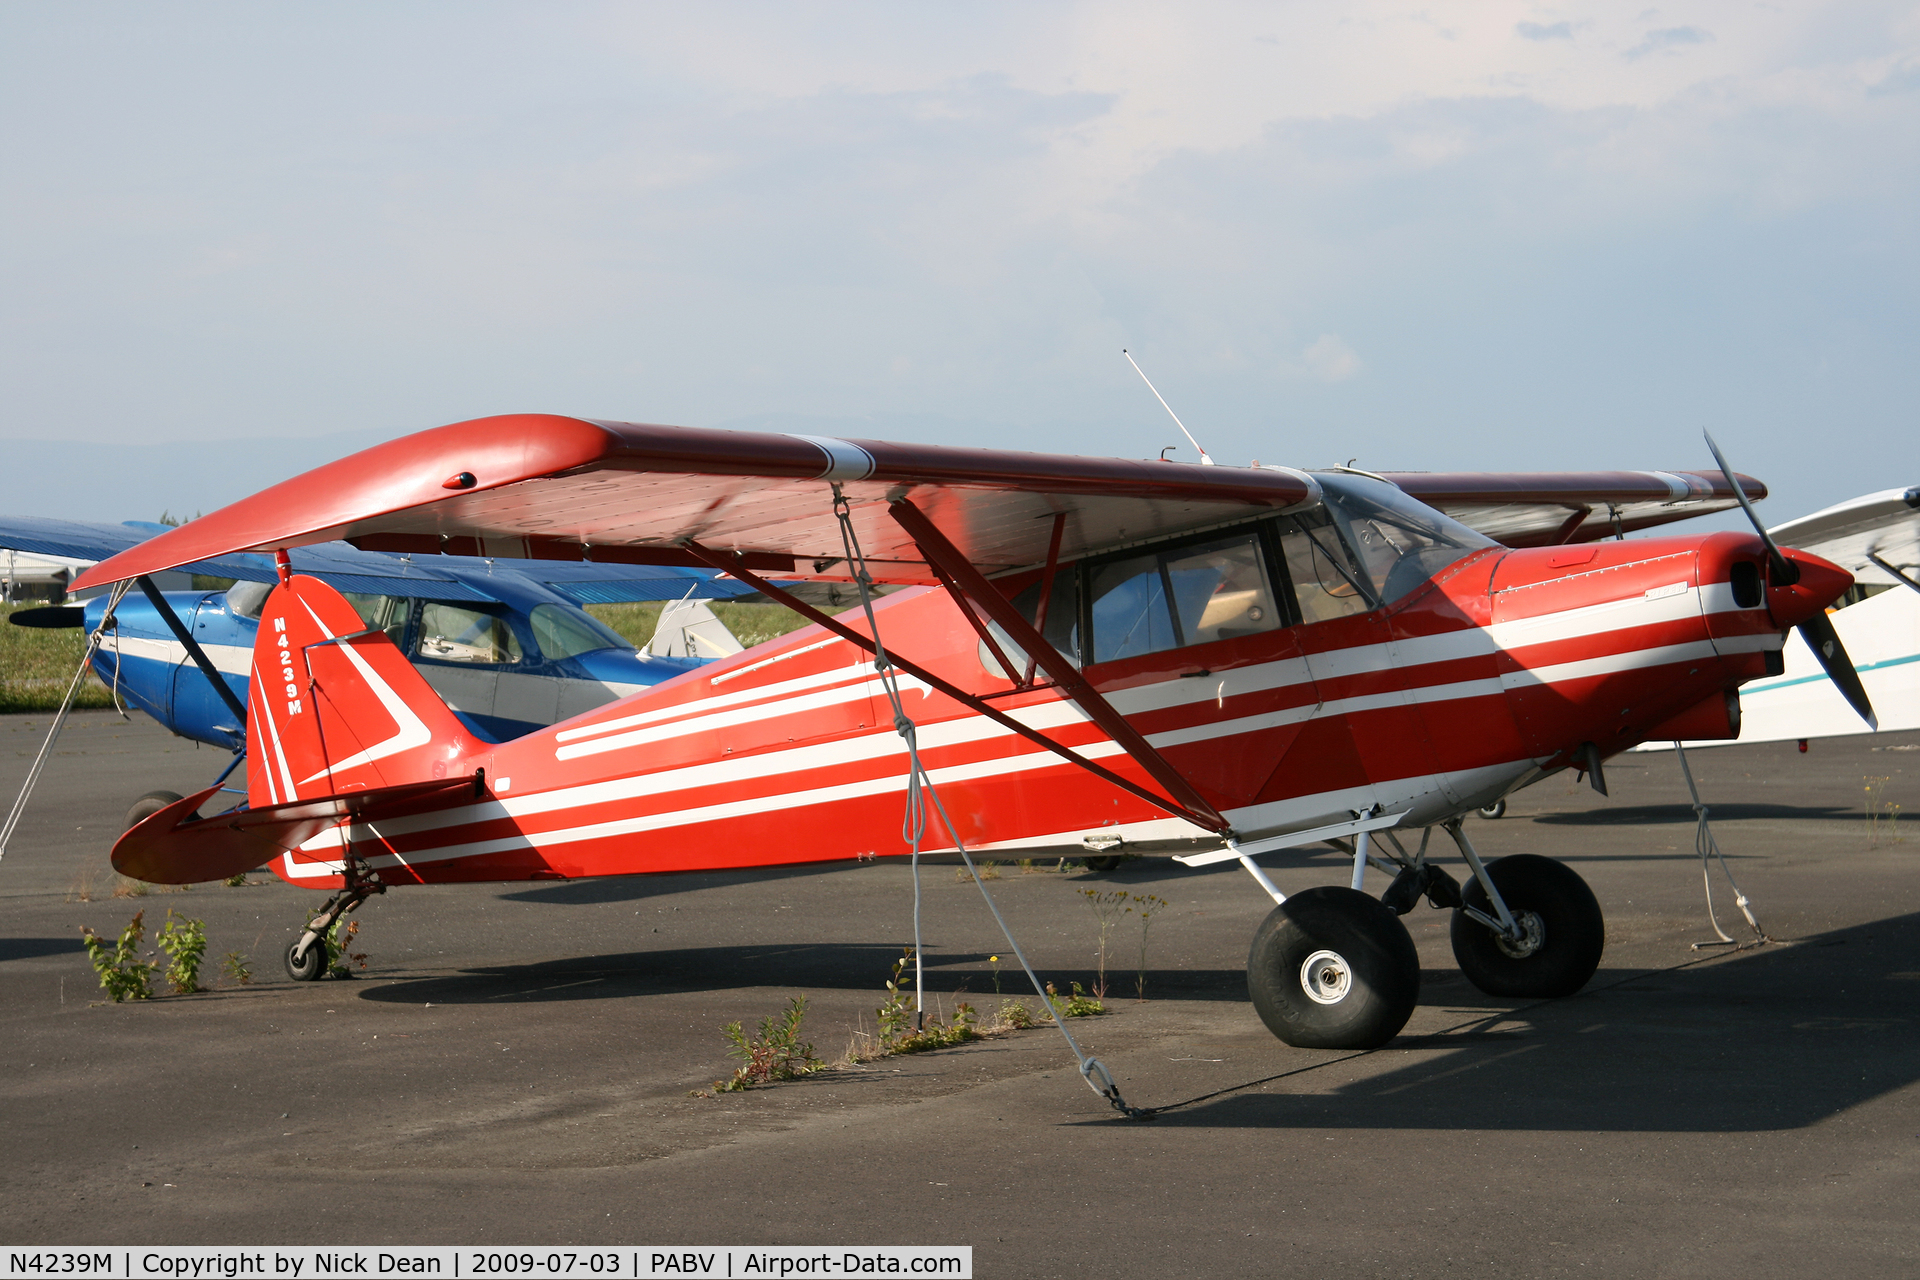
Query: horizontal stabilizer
[{"x": 175, "y": 847}]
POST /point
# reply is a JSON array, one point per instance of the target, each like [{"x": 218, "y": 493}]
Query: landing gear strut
[
  {"x": 307, "y": 957},
  {"x": 1527, "y": 927}
]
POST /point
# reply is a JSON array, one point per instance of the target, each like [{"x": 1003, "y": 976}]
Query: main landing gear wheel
[
  {"x": 1560, "y": 920},
  {"x": 1331, "y": 968},
  {"x": 1105, "y": 862},
  {"x": 310, "y": 967},
  {"x": 149, "y": 804},
  {"x": 1498, "y": 809}
]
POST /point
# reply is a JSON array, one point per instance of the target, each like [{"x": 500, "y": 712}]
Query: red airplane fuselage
[{"x": 1487, "y": 676}]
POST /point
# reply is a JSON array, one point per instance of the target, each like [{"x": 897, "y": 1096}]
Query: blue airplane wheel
[
  {"x": 1563, "y": 930},
  {"x": 1331, "y": 968}
]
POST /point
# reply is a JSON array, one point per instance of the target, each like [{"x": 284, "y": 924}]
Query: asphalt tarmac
[{"x": 514, "y": 1064}]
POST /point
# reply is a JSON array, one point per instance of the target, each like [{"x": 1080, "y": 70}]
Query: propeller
[{"x": 1817, "y": 630}]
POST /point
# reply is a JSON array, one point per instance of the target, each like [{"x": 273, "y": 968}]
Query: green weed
[
  {"x": 123, "y": 975},
  {"x": 1077, "y": 1005},
  {"x": 1146, "y": 906},
  {"x": 339, "y": 937},
  {"x": 185, "y": 942},
  {"x": 234, "y": 965},
  {"x": 1108, "y": 906},
  {"x": 777, "y": 1053}
]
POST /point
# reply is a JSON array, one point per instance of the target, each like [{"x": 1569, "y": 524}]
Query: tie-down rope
[
  {"x": 913, "y": 826},
  {"x": 1707, "y": 847},
  {"x": 60, "y": 718}
]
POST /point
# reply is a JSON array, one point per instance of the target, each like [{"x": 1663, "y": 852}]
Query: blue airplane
[{"x": 505, "y": 643}]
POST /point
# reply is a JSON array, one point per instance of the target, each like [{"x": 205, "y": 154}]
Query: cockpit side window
[
  {"x": 1326, "y": 582},
  {"x": 1190, "y": 593}
]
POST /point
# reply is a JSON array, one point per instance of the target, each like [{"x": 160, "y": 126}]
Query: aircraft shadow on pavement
[
  {"x": 1668, "y": 814},
  {"x": 1779, "y": 1038},
  {"x": 814, "y": 966},
  {"x": 27, "y": 948}
]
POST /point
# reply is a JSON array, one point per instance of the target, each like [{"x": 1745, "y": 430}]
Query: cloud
[
  {"x": 1668, "y": 38},
  {"x": 1550, "y": 31},
  {"x": 1330, "y": 359}
]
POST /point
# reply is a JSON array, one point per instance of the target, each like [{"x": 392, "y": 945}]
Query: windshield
[
  {"x": 1400, "y": 542},
  {"x": 562, "y": 633}
]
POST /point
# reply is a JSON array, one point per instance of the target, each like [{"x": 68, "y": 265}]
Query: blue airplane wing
[{"x": 346, "y": 568}]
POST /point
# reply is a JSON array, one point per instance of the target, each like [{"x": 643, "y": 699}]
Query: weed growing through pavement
[
  {"x": 123, "y": 974},
  {"x": 1146, "y": 906},
  {"x": 1881, "y": 814},
  {"x": 1108, "y": 906},
  {"x": 234, "y": 965},
  {"x": 185, "y": 942},
  {"x": 337, "y": 953},
  {"x": 236, "y": 881},
  {"x": 776, "y": 1053},
  {"x": 1077, "y": 1005}
]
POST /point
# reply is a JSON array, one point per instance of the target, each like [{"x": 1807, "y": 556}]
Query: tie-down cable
[
  {"x": 94, "y": 640},
  {"x": 913, "y": 827}
]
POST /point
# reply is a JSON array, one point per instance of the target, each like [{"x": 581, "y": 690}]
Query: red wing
[
  {"x": 543, "y": 487},
  {"x": 1543, "y": 509}
]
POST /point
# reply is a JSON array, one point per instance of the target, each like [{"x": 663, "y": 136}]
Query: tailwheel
[
  {"x": 1331, "y": 968},
  {"x": 309, "y": 966},
  {"x": 1561, "y": 930}
]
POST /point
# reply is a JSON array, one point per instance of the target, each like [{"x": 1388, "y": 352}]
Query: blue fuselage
[{"x": 519, "y": 659}]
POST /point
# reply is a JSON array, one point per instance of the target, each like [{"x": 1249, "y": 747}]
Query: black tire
[
  {"x": 1566, "y": 930},
  {"x": 313, "y": 967},
  {"x": 1364, "y": 967},
  {"x": 1107, "y": 862},
  {"x": 1498, "y": 809},
  {"x": 149, "y": 804}
]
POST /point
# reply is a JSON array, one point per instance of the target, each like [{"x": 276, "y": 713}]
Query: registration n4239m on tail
[{"x": 1096, "y": 655}]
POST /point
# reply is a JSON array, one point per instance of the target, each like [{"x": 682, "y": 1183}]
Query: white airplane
[{"x": 1877, "y": 538}]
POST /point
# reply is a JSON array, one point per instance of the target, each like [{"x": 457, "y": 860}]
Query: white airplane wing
[{"x": 1877, "y": 537}]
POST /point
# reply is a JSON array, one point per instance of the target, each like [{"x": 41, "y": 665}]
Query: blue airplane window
[
  {"x": 449, "y": 633},
  {"x": 1061, "y": 626},
  {"x": 1220, "y": 589},
  {"x": 562, "y": 633},
  {"x": 1130, "y": 613}
]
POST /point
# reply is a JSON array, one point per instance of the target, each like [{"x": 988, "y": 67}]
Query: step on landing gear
[{"x": 307, "y": 956}]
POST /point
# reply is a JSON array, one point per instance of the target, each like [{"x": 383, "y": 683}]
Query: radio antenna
[{"x": 1205, "y": 461}]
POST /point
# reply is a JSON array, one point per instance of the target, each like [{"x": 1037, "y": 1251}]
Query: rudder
[{"x": 335, "y": 706}]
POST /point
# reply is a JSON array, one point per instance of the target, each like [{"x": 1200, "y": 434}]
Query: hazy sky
[{"x": 1482, "y": 236}]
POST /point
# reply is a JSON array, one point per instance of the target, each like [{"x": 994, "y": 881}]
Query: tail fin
[
  {"x": 335, "y": 706},
  {"x": 689, "y": 629}
]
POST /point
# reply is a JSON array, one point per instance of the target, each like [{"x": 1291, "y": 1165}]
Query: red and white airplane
[{"x": 1100, "y": 654}]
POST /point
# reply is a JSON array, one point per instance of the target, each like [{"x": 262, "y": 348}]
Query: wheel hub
[
  {"x": 1533, "y": 934},
  {"x": 1326, "y": 977}
]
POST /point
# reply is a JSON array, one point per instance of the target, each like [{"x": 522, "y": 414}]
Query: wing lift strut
[{"x": 969, "y": 588}]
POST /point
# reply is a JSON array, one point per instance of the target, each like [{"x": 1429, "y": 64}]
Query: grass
[
  {"x": 752, "y": 623},
  {"x": 36, "y": 665}
]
